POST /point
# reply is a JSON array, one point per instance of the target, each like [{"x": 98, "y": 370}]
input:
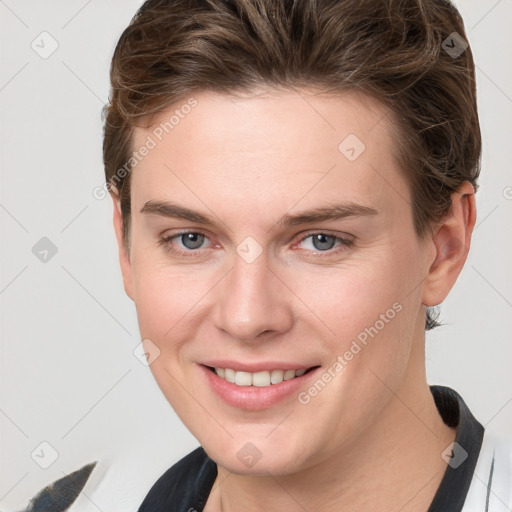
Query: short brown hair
[{"x": 397, "y": 51}]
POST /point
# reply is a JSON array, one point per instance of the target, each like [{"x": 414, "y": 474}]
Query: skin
[{"x": 372, "y": 437}]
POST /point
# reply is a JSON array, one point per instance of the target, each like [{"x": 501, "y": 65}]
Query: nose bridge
[{"x": 252, "y": 300}]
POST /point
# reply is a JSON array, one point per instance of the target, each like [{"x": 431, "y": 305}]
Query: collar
[{"x": 455, "y": 484}]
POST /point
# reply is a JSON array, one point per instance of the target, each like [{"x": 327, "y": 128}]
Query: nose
[{"x": 252, "y": 301}]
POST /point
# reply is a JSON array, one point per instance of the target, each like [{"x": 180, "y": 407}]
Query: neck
[{"x": 395, "y": 465}]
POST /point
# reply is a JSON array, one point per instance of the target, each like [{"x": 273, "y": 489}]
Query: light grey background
[{"x": 68, "y": 373}]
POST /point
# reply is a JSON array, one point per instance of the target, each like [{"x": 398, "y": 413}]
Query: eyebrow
[{"x": 325, "y": 213}]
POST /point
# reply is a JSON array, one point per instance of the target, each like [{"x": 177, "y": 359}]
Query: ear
[
  {"x": 451, "y": 239},
  {"x": 124, "y": 254}
]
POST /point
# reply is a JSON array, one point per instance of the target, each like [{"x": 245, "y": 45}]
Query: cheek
[
  {"x": 162, "y": 299},
  {"x": 167, "y": 304},
  {"x": 173, "y": 303},
  {"x": 368, "y": 320},
  {"x": 157, "y": 305},
  {"x": 366, "y": 309},
  {"x": 350, "y": 298}
]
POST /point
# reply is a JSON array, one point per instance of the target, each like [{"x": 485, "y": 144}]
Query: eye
[
  {"x": 184, "y": 243},
  {"x": 324, "y": 242},
  {"x": 191, "y": 240}
]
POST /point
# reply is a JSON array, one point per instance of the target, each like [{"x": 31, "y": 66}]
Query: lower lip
[{"x": 252, "y": 397}]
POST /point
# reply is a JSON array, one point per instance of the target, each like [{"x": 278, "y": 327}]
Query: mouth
[
  {"x": 258, "y": 379},
  {"x": 258, "y": 390}
]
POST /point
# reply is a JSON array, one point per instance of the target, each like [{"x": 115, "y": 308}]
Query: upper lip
[{"x": 256, "y": 366}]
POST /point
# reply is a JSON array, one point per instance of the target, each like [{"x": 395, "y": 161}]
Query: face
[{"x": 272, "y": 238}]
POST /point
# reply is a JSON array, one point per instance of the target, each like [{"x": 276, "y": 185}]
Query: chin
[
  {"x": 260, "y": 456},
  {"x": 280, "y": 466}
]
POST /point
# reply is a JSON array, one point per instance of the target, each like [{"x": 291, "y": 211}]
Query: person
[{"x": 294, "y": 186}]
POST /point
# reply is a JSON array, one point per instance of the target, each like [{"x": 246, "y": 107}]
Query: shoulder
[
  {"x": 184, "y": 486},
  {"x": 491, "y": 485}
]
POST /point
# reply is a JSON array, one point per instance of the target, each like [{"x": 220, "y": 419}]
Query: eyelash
[{"x": 194, "y": 253}]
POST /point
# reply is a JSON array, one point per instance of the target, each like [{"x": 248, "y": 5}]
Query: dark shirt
[{"x": 185, "y": 486}]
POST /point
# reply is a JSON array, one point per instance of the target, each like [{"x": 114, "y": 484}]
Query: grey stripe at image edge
[{"x": 489, "y": 484}]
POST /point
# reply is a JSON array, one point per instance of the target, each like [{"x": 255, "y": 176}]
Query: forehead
[{"x": 288, "y": 146}]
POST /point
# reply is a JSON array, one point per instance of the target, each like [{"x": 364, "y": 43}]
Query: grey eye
[
  {"x": 322, "y": 242},
  {"x": 192, "y": 240}
]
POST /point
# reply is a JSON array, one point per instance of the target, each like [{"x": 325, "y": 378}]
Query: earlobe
[
  {"x": 451, "y": 240},
  {"x": 124, "y": 255}
]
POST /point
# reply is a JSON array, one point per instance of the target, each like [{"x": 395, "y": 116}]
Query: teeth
[
  {"x": 229, "y": 374},
  {"x": 289, "y": 374},
  {"x": 276, "y": 376},
  {"x": 261, "y": 379},
  {"x": 258, "y": 379},
  {"x": 243, "y": 379}
]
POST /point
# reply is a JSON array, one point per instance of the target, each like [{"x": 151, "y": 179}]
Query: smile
[
  {"x": 258, "y": 389},
  {"x": 258, "y": 379}
]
